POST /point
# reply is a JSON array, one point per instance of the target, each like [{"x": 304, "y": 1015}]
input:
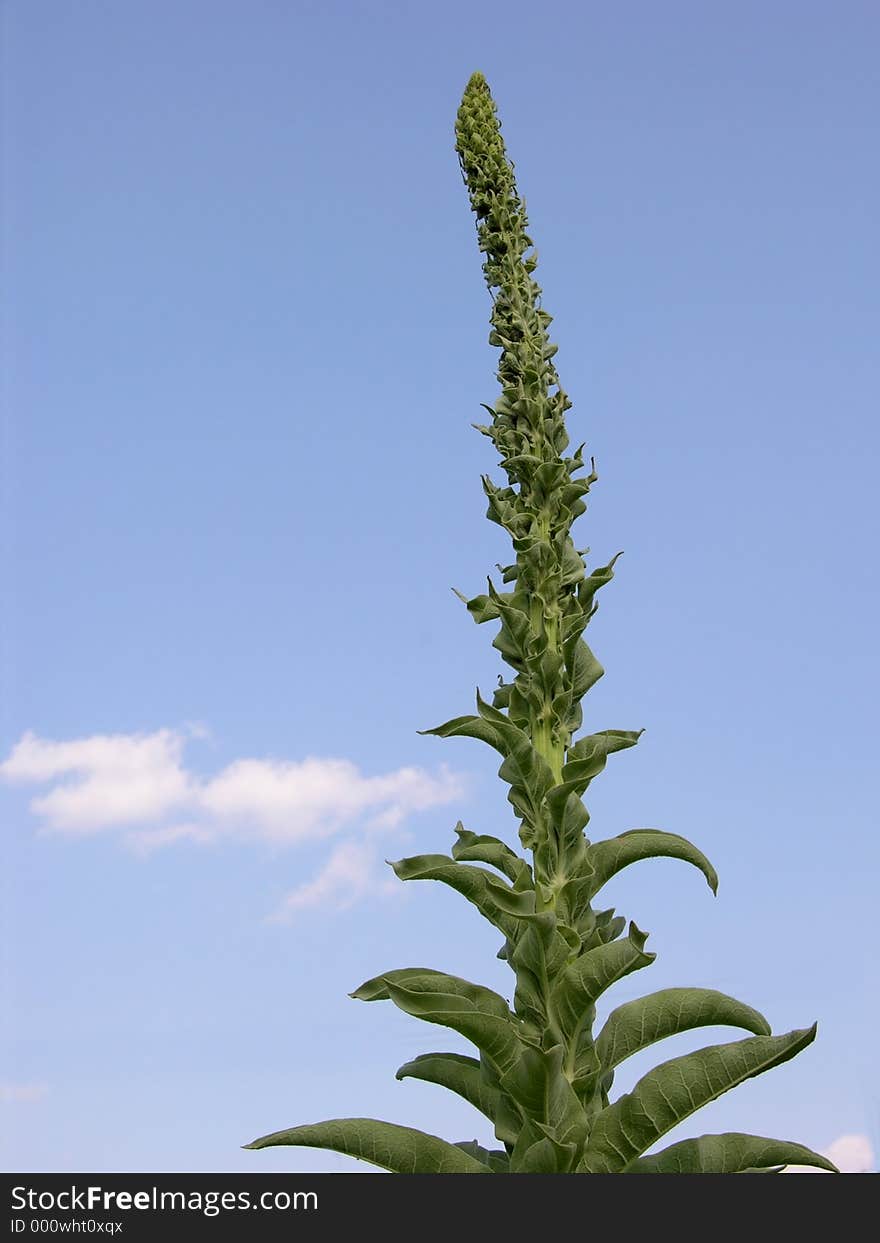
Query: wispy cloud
[
  {"x": 22, "y": 1093},
  {"x": 138, "y": 787},
  {"x": 350, "y": 874},
  {"x": 139, "y": 784}
]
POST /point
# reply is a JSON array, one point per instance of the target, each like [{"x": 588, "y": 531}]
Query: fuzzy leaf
[
  {"x": 586, "y": 979},
  {"x": 466, "y": 727},
  {"x": 598, "y": 578},
  {"x": 538, "y": 1084},
  {"x": 544, "y": 946},
  {"x": 587, "y": 757},
  {"x": 493, "y": 1035},
  {"x": 459, "y": 1074},
  {"x": 495, "y": 1158},
  {"x": 732, "y": 1153},
  {"x": 424, "y": 980},
  {"x": 541, "y": 1157},
  {"x": 637, "y": 1024},
  {"x": 483, "y": 889},
  {"x": 583, "y": 668},
  {"x": 607, "y": 858},
  {"x": 483, "y": 849},
  {"x": 523, "y": 768},
  {"x": 674, "y": 1090},
  {"x": 399, "y": 1149},
  {"x": 569, "y": 817}
]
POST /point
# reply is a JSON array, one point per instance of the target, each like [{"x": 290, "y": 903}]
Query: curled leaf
[{"x": 398, "y": 1149}]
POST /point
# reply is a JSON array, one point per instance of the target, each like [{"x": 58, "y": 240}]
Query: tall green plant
[{"x": 543, "y": 1076}]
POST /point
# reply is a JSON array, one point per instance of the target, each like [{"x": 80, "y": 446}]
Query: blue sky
[{"x": 245, "y": 338}]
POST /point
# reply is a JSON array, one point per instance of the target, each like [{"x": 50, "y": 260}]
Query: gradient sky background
[{"x": 245, "y": 338}]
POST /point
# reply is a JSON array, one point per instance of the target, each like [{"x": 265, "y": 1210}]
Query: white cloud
[
  {"x": 348, "y": 876},
  {"x": 138, "y": 782},
  {"x": 292, "y": 801},
  {"x": 146, "y": 841},
  {"x": 22, "y": 1093},
  {"x": 113, "y": 780},
  {"x": 852, "y": 1154},
  {"x": 138, "y": 785}
]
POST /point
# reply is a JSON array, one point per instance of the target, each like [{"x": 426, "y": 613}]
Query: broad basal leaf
[
  {"x": 399, "y": 1149},
  {"x": 676, "y": 1089},
  {"x": 732, "y": 1153},
  {"x": 637, "y": 1024}
]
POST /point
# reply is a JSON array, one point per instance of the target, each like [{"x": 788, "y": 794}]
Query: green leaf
[
  {"x": 512, "y": 639},
  {"x": 583, "y": 669},
  {"x": 732, "y": 1153},
  {"x": 483, "y": 889},
  {"x": 466, "y": 727},
  {"x": 459, "y": 1074},
  {"x": 484, "y": 608},
  {"x": 399, "y": 1149},
  {"x": 542, "y": 1157},
  {"x": 676, "y": 1089},
  {"x": 495, "y": 1158},
  {"x": 609, "y": 857},
  {"x": 583, "y": 981},
  {"x": 535, "y": 1157},
  {"x": 541, "y": 951},
  {"x": 523, "y": 768},
  {"x": 569, "y": 817},
  {"x": 587, "y": 757},
  {"x": 600, "y": 927},
  {"x": 598, "y": 578},
  {"x": 483, "y": 849},
  {"x": 538, "y": 1084},
  {"x": 424, "y": 980},
  {"x": 637, "y": 1024},
  {"x": 543, "y": 947},
  {"x": 493, "y": 1035}
]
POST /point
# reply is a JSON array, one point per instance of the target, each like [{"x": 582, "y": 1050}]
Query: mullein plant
[{"x": 542, "y": 1075}]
